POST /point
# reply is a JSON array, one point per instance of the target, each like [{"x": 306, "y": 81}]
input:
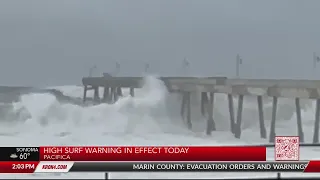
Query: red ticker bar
[
  {"x": 313, "y": 166},
  {"x": 69, "y": 166},
  {"x": 18, "y": 167},
  {"x": 154, "y": 153}
]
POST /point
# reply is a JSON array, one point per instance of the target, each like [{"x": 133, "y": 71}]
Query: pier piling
[
  {"x": 299, "y": 122},
  {"x": 239, "y": 117},
  {"x": 119, "y": 91},
  {"x": 273, "y": 119},
  {"x": 183, "y": 105},
  {"x": 115, "y": 95},
  {"x": 188, "y": 99},
  {"x": 316, "y": 122},
  {"x": 263, "y": 132},
  {"x": 132, "y": 92},
  {"x": 112, "y": 96},
  {"x": 96, "y": 97},
  {"x": 204, "y": 102},
  {"x": 105, "y": 94},
  {"x": 231, "y": 113},
  {"x": 85, "y": 93},
  {"x": 210, "y": 122},
  {"x": 209, "y": 87}
]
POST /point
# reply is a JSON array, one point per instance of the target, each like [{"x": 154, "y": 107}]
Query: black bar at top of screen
[
  {"x": 189, "y": 167},
  {"x": 19, "y": 154}
]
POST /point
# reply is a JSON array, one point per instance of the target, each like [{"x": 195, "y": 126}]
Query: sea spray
[{"x": 138, "y": 120}]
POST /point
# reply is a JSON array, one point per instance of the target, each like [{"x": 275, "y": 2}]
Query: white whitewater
[{"x": 152, "y": 117}]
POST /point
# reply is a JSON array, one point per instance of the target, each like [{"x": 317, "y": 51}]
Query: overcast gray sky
[{"x": 55, "y": 42}]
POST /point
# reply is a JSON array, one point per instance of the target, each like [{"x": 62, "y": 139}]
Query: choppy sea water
[{"x": 152, "y": 117}]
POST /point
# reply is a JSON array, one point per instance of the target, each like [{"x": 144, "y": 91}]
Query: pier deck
[{"x": 208, "y": 86}]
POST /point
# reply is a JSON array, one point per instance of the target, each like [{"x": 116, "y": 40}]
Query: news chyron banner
[{"x": 147, "y": 159}]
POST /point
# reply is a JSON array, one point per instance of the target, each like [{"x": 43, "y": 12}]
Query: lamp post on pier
[
  {"x": 185, "y": 66},
  {"x": 238, "y": 63},
  {"x": 117, "y": 70},
  {"x": 316, "y": 59},
  {"x": 91, "y": 70},
  {"x": 146, "y": 67}
]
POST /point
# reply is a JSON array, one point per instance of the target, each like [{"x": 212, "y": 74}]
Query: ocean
[{"x": 152, "y": 117}]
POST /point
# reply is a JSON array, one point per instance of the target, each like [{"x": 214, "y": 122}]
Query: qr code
[{"x": 287, "y": 148}]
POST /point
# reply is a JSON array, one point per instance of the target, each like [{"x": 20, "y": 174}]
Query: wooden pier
[{"x": 209, "y": 86}]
